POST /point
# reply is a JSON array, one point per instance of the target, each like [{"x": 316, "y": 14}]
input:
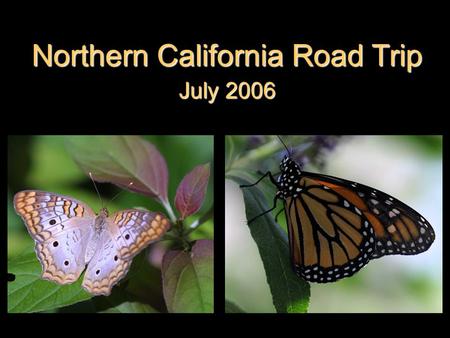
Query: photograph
[
  {"x": 110, "y": 224},
  {"x": 333, "y": 223}
]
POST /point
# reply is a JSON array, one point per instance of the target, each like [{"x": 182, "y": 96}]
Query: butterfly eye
[
  {"x": 55, "y": 244},
  {"x": 52, "y": 222}
]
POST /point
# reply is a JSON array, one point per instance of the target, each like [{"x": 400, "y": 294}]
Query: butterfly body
[
  {"x": 336, "y": 226},
  {"x": 69, "y": 236}
]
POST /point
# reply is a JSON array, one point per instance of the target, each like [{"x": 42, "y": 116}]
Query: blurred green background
[
  {"x": 42, "y": 162},
  {"x": 406, "y": 167}
]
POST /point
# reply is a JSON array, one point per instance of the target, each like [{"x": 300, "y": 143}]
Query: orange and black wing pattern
[
  {"x": 337, "y": 226},
  {"x": 329, "y": 237},
  {"x": 398, "y": 229}
]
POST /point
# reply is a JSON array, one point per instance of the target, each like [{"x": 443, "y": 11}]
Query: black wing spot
[{"x": 11, "y": 277}]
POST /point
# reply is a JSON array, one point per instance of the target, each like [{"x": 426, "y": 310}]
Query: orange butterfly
[{"x": 336, "y": 226}]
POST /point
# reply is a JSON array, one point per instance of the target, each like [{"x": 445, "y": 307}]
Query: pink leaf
[
  {"x": 122, "y": 160},
  {"x": 191, "y": 191}
]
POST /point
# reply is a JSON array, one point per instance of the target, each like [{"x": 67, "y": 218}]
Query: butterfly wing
[
  {"x": 127, "y": 233},
  {"x": 398, "y": 229},
  {"x": 60, "y": 226},
  {"x": 106, "y": 268},
  {"x": 136, "y": 229},
  {"x": 330, "y": 238}
]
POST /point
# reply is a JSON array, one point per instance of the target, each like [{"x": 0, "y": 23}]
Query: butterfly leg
[
  {"x": 260, "y": 179},
  {"x": 278, "y": 214},
  {"x": 259, "y": 172},
  {"x": 267, "y": 211}
]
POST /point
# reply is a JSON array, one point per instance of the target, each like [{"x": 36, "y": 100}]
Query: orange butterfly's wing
[
  {"x": 336, "y": 226},
  {"x": 330, "y": 238},
  {"x": 398, "y": 229}
]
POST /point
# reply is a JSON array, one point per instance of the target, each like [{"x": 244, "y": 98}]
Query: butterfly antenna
[
  {"x": 290, "y": 154},
  {"x": 96, "y": 189},
  {"x": 112, "y": 199}
]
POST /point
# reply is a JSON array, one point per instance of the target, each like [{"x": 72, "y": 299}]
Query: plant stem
[
  {"x": 169, "y": 210},
  {"x": 258, "y": 153}
]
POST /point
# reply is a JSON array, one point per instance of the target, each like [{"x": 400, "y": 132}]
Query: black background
[
  {"x": 315, "y": 100},
  {"x": 144, "y": 100}
]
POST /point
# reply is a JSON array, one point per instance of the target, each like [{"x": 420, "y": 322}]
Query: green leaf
[
  {"x": 131, "y": 307},
  {"x": 121, "y": 301},
  {"x": 230, "y": 307},
  {"x": 289, "y": 292},
  {"x": 188, "y": 279},
  {"x": 29, "y": 293}
]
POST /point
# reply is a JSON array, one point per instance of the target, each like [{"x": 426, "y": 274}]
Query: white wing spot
[{"x": 391, "y": 228}]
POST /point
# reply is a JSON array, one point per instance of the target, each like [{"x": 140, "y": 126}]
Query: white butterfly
[{"x": 69, "y": 236}]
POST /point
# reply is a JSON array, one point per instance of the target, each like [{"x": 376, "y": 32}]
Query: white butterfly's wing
[
  {"x": 135, "y": 229},
  {"x": 106, "y": 268},
  {"x": 126, "y": 234},
  {"x": 61, "y": 227}
]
